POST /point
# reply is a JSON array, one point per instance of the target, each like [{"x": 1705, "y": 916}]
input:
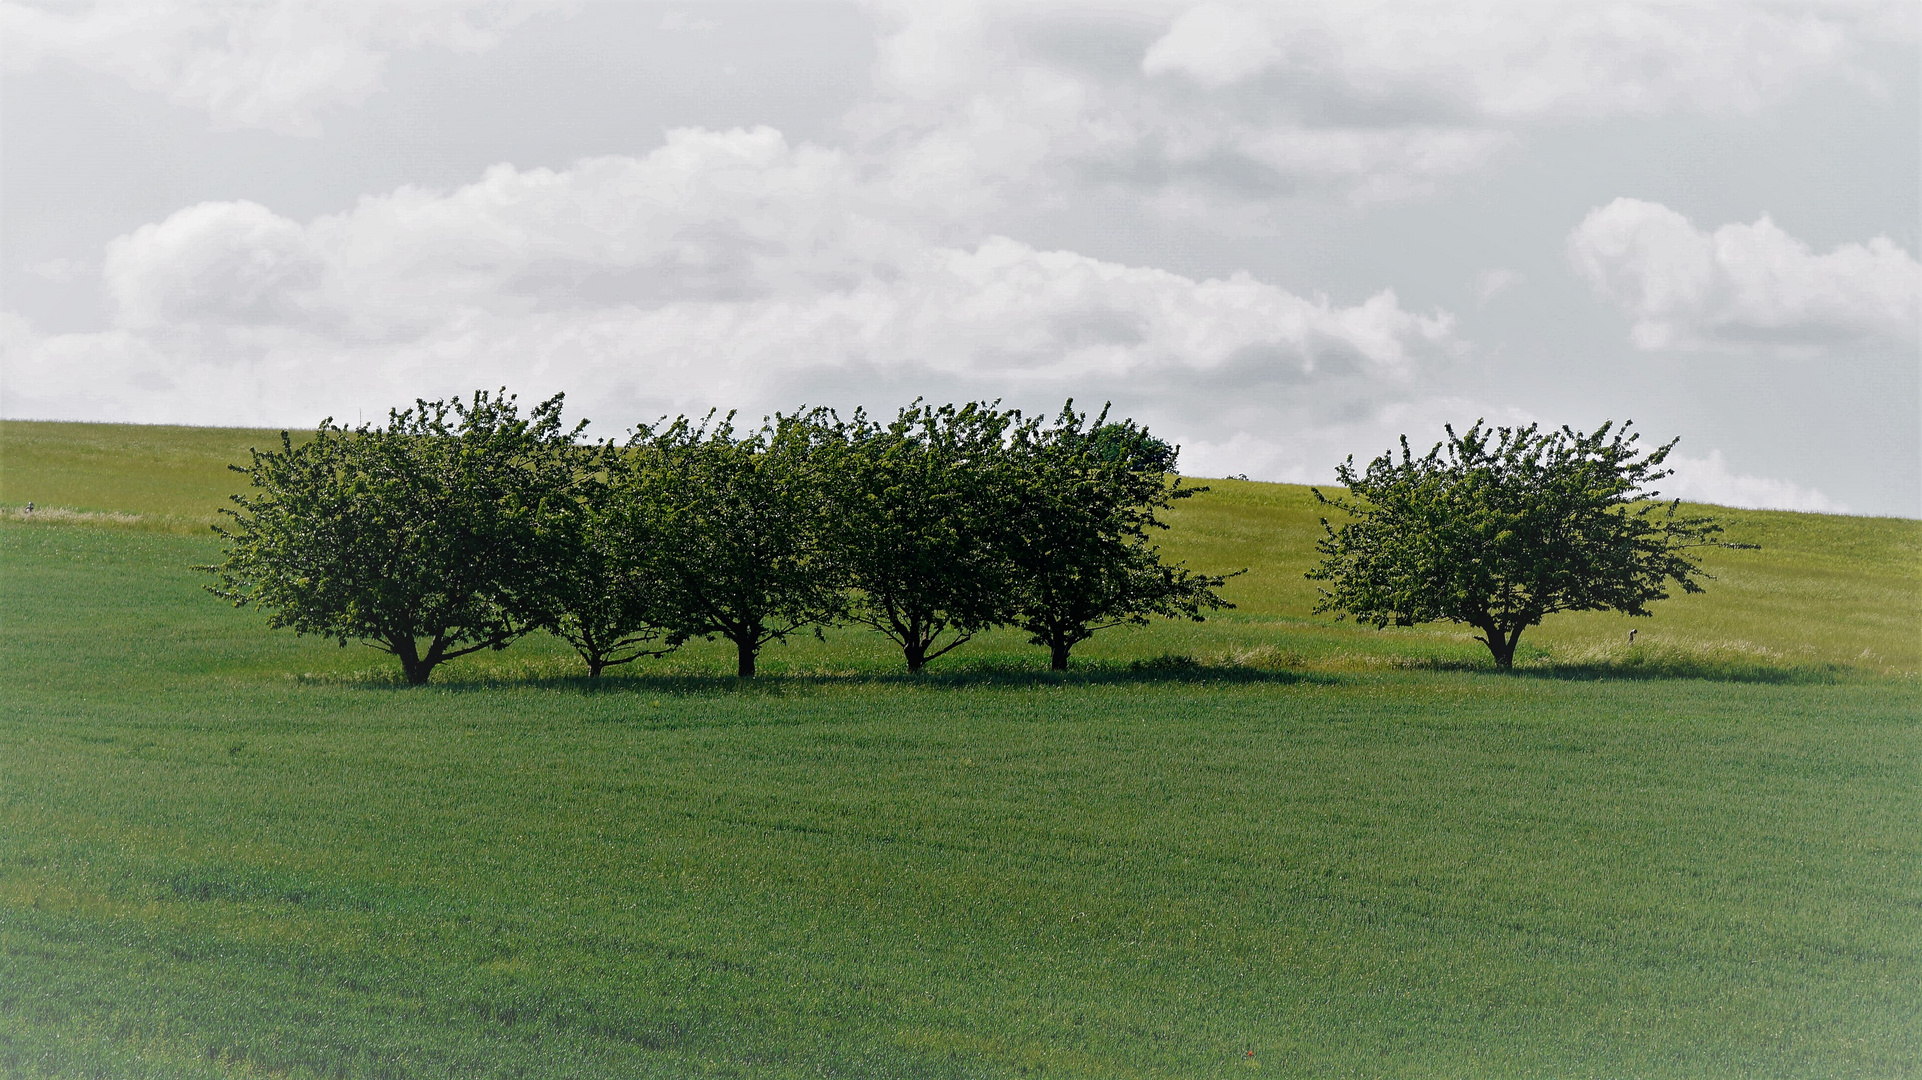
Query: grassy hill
[
  {"x": 173, "y": 479},
  {"x": 1314, "y": 851}
]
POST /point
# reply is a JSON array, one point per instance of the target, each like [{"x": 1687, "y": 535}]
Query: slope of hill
[{"x": 173, "y": 478}]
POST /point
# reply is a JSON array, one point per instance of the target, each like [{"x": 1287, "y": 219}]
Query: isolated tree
[
  {"x": 915, "y": 526},
  {"x": 607, "y": 596},
  {"x": 1076, "y": 532},
  {"x": 1497, "y": 528},
  {"x": 430, "y": 538},
  {"x": 739, "y": 528}
]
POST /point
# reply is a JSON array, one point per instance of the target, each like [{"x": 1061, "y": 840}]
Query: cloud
[
  {"x": 1708, "y": 480},
  {"x": 253, "y": 65},
  {"x": 1492, "y": 283},
  {"x": 1742, "y": 285},
  {"x": 1250, "y": 102},
  {"x": 734, "y": 268},
  {"x": 1215, "y": 45},
  {"x": 727, "y": 268},
  {"x": 1301, "y": 443},
  {"x": 61, "y": 271},
  {"x": 1370, "y": 103},
  {"x": 1519, "y": 60},
  {"x": 222, "y": 262},
  {"x": 675, "y": 20}
]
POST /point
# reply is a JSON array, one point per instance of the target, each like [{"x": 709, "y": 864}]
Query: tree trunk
[
  {"x": 1502, "y": 646},
  {"x": 594, "y": 665},
  {"x": 745, "y": 648},
  {"x": 412, "y": 666},
  {"x": 1058, "y": 655},
  {"x": 917, "y": 655}
]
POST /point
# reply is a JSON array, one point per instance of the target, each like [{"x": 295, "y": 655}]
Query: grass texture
[{"x": 1267, "y": 845}]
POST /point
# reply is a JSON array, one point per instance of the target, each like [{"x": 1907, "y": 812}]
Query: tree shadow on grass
[{"x": 1167, "y": 670}]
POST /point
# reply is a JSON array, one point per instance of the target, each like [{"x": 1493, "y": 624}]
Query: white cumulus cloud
[
  {"x": 1710, "y": 480},
  {"x": 727, "y": 268},
  {"x": 1743, "y": 284}
]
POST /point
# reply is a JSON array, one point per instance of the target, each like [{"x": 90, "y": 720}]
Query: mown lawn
[{"x": 225, "y": 852}]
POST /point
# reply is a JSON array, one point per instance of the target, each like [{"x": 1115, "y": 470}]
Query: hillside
[{"x": 1824, "y": 591}]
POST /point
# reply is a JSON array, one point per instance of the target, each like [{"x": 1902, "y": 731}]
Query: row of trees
[{"x": 461, "y": 526}]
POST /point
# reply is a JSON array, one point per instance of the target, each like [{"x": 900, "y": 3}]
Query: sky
[{"x": 1277, "y": 234}]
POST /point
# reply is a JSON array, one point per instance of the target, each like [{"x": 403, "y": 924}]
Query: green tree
[
  {"x": 739, "y": 528},
  {"x": 1497, "y": 528},
  {"x": 915, "y": 519},
  {"x": 430, "y": 538},
  {"x": 607, "y": 597},
  {"x": 1076, "y": 532}
]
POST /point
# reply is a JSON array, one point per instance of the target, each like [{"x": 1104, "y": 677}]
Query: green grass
[
  {"x": 227, "y": 852},
  {"x": 170, "y": 478}
]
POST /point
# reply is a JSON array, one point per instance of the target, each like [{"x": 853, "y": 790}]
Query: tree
[
  {"x": 1076, "y": 532},
  {"x": 739, "y": 526},
  {"x": 430, "y": 538},
  {"x": 607, "y": 595},
  {"x": 913, "y": 524},
  {"x": 1498, "y": 528}
]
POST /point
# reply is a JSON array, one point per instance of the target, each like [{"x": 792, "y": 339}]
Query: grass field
[{"x": 1286, "y": 848}]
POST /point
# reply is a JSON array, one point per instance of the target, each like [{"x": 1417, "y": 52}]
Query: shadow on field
[
  {"x": 1252, "y": 668},
  {"x": 1160, "y": 671}
]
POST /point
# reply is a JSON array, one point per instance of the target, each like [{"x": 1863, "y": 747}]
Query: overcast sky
[{"x": 1278, "y": 234}]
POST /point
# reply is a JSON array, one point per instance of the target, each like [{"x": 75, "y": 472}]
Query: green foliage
[
  {"x": 918, "y": 523},
  {"x": 1507, "y": 527},
  {"x": 937, "y": 527},
  {"x": 1078, "y": 532},
  {"x": 737, "y": 523},
  {"x": 440, "y": 526},
  {"x": 606, "y": 595}
]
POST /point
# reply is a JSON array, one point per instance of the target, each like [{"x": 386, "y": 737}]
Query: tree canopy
[
  {"x": 1497, "y": 528},
  {"x": 608, "y": 597},
  {"x": 917, "y": 524},
  {"x": 1077, "y": 532},
  {"x": 737, "y": 527},
  {"x": 430, "y": 538},
  {"x": 459, "y": 526}
]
